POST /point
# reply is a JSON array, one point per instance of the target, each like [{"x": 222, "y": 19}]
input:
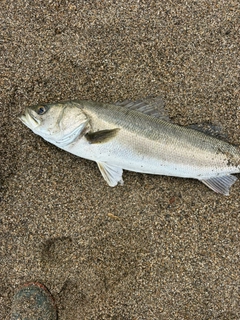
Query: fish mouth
[{"x": 29, "y": 119}]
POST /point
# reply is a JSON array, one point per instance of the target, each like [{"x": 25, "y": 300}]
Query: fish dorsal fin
[
  {"x": 101, "y": 136},
  {"x": 209, "y": 129},
  {"x": 220, "y": 184},
  {"x": 152, "y": 106},
  {"x": 111, "y": 174}
]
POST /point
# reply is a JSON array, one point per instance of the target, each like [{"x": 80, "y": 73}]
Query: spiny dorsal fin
[
  {"x": 152, "y": 106},
  {"x": 101, "y": 136}
]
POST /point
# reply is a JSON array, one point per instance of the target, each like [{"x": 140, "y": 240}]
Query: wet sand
[{"x": 158, "y": 247}]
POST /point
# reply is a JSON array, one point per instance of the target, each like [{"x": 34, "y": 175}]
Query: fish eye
[{"x": 41, "y": 110}]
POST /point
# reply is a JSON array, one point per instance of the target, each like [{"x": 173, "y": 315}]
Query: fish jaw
[{"x": 29, "y": 119}]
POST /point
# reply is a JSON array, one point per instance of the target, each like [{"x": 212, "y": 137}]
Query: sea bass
[{"x": 134, "y": 136}]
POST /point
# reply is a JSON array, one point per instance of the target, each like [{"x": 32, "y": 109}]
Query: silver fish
[{"x": 134, "y": 136}]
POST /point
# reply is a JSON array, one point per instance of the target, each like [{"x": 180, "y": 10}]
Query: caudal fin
[{"x": 220, "y": 184}]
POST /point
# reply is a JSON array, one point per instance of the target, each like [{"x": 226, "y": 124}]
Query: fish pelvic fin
[
  {"x": 111, "y": 174},
  {"x": 220, "y": 184}
]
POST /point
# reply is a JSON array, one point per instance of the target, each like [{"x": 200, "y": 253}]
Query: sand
[{"x": 158, "y": 247}]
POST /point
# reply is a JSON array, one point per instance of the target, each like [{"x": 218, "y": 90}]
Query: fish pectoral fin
[
  {"x": 111, "y": 173},
  {"x": 101, "y": 136},
  {"x": 220, "y": 184}
]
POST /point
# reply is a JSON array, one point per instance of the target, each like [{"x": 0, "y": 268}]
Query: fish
[{"x": 135, "y": 136}]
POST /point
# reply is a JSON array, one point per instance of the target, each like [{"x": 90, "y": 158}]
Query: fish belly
[{"x": 154, "y": 158}]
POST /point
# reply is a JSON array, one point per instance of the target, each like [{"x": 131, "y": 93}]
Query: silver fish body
[{"x": 118, "y": 138}]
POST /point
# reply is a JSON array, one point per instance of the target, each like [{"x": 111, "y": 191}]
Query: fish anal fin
[
  {"x": 101, "y": 136},
  {"x": 111, "y": 174},
  {"x": 220, "y": 184}
]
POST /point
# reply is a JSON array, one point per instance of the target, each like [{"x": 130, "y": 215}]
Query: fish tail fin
[{"x": 220, "y": 184}]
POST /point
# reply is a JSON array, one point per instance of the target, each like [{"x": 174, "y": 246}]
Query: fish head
[{"x": 59, "y": 123}]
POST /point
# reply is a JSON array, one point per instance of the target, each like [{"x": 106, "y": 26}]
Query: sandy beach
[{"x": 157, "y": 247}]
